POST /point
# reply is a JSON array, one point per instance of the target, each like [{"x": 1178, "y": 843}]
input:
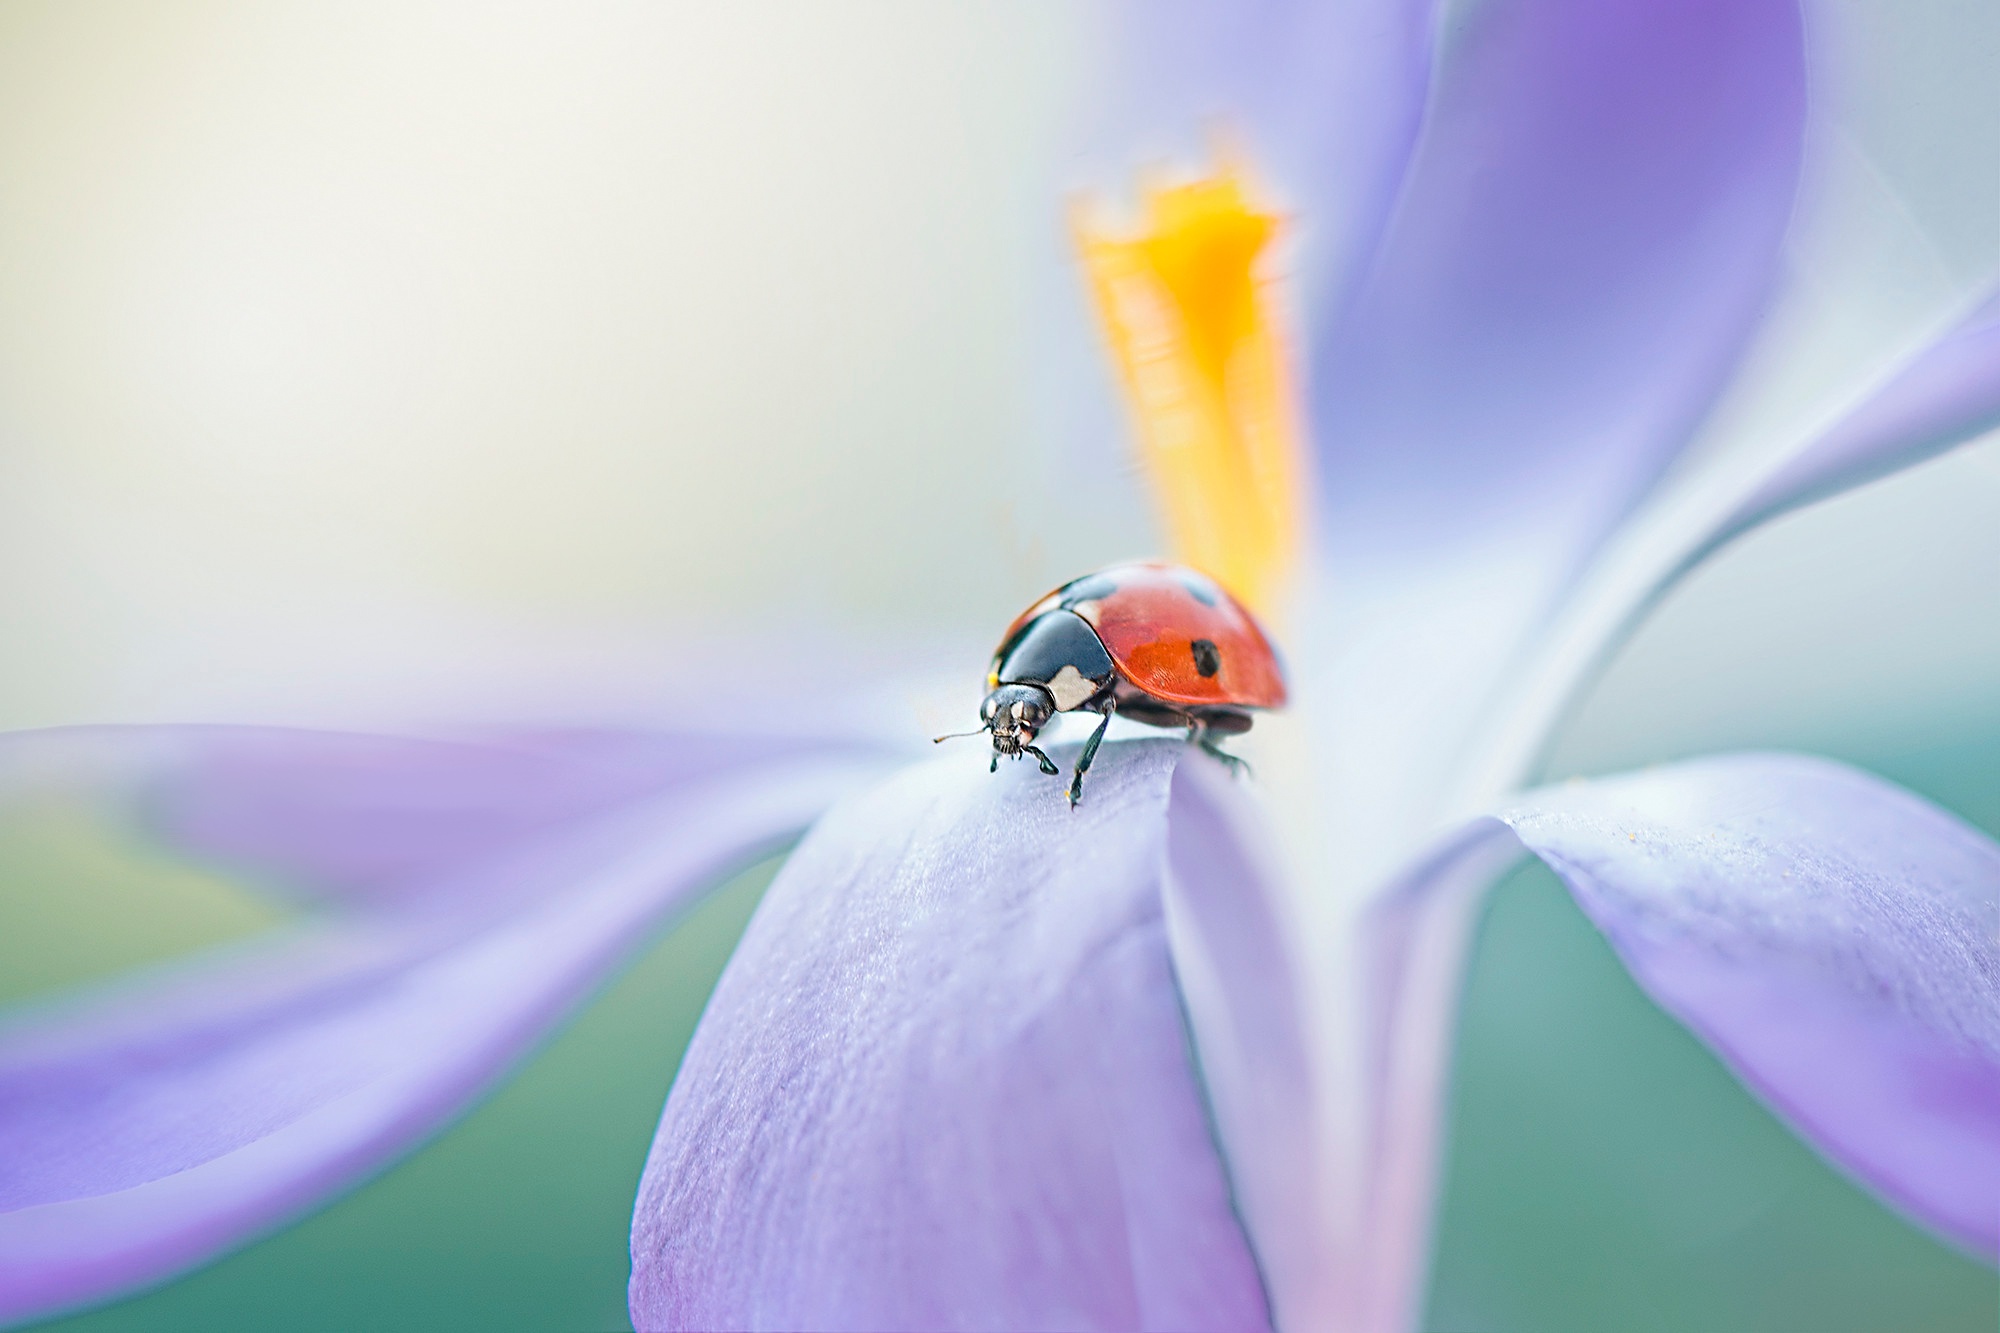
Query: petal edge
[
  {"x": 881, "y": 1122},
  {"x": 1835, "y": 940}
]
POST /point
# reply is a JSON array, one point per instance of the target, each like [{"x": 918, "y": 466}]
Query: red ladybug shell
[{"x": 1151, "y": 616}]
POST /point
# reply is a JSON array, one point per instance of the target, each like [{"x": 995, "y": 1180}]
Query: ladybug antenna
[{"x": 960, "y": 735}]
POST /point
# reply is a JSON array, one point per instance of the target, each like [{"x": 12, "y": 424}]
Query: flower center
[{"x": 1192, "y": 324}]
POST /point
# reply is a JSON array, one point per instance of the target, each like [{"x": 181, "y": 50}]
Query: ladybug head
[{"x": 1014, "y": 713}]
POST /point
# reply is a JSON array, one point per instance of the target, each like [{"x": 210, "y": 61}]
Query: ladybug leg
[
  {"x": 1048, "y": 764},
  {"x": 1090, "y": 752},
  {"x": 1198, "y": 735},
  {"x": 1237, "y": 763},
  {"x": 994, "y": 767}
]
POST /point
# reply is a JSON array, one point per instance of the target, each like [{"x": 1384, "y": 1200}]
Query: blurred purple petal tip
[
  {"x": 152, "y": 1127},
  {"x": 1835, "y": 939}
]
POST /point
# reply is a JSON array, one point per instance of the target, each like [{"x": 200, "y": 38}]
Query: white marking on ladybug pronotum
[{"x": 1070, "y": 688}]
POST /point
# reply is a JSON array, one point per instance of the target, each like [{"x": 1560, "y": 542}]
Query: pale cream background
[{"x": 353, "y": 353}]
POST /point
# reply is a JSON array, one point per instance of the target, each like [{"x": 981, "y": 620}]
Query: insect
[{"x": 1154, "y": 642}]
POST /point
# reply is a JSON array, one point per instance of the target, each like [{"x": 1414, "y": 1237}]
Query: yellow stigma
[{"x": 1193, "y": 326}]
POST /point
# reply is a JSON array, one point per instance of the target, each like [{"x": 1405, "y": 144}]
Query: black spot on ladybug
[
  {"x": 1200, "y": 589},
  {"x": 1089, "y": 588},
  {"x": 1207, "y": 658}
]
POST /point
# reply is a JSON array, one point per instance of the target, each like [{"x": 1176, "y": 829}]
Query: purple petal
[
  {"x": 365, "y": 819},
  {"x": 154, "y": 1126},
  {"x": 1587, "y": 237},
  {"x": 945, "y": 1082},
  {"x": 1329, "y": 97},
  {"x": 1414, "y": 942},
  {"x": 1834, "y": 939},
  {"x": 1230, "y": 927},
  {"x": 1945, "y": 395}
]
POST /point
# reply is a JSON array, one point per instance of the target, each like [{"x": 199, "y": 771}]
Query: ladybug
[{"x": 1154, "y": 642}]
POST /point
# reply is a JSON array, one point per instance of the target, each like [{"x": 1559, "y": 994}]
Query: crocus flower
[{"x": 947, "y": 1080}]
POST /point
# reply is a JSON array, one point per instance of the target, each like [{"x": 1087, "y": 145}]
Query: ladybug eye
[{"x": 1029, "y": 711}]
